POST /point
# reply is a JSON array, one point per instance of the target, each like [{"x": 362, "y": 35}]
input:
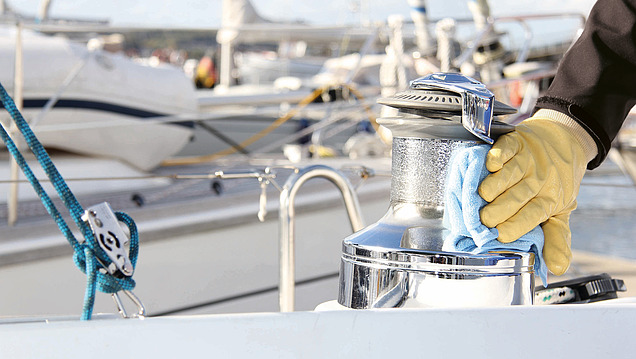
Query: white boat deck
[{"x": 583, "y": 331}]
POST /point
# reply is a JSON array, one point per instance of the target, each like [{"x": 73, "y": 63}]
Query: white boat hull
[
  {"x": 204, "y": 255},
  {"x": 573, "y": 331},
  {"x": 107, "y": 104}
]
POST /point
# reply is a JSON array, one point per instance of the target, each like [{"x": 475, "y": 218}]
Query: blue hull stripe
[
  {"x": 93, "y": 105},
  {"x": 98, "y": 106}
]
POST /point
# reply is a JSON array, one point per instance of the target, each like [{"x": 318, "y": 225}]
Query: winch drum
[{"x": 398, "y": 261}]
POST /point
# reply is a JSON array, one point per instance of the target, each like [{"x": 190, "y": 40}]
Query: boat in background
[
  {"x": 99, "y": 103},
  {"x": 105, "y": 104}
]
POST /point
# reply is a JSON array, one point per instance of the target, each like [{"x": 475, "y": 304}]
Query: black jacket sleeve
[{"x": 595, "y": 83}]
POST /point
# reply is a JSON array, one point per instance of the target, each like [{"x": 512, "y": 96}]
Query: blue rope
[{"x": 88, "y": 253}]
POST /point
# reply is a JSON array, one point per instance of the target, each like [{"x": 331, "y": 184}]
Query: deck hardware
[
  {"x": 262, "y": 199},
  {"x": 141, "y": 310},
  {"x": 286, "y": 214},
  {"x": 111, "y": 238},
  {"x": 477, "y": 101},
  {"x": 398, "y": 261}
]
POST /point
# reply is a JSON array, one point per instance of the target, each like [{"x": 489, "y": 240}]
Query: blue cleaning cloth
[{"x": 461, "y": 214}]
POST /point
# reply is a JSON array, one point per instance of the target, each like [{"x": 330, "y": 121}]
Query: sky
[{"x": 207, "y": 13}]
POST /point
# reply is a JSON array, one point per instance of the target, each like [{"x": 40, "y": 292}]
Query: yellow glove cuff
[{"x": 582, "y": 136}]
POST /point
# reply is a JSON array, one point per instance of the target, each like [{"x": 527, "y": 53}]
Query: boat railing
[{"x": 287, "y": 223}]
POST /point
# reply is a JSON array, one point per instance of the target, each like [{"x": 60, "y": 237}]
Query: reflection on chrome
[{"x": 397, "y": 261}]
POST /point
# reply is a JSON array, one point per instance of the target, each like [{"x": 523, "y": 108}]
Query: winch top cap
[
  {"x": 449, "y": 78},
  {"x": 426, "y": 94},
  {"x": 454, "y": 93}
]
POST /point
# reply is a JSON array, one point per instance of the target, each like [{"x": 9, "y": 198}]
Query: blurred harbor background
[{"x": 207, "y": 13}]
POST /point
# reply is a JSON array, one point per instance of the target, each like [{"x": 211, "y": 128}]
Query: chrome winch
[{"x": 398, "y": 261}]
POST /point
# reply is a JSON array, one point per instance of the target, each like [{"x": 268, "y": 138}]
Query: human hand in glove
[{"x": 536, "y": 174}]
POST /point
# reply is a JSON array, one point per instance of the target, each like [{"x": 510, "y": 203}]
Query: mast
[
  {"x": 420, "y": 19},
  {"x": 43, "y": 11},
  {"x": 236, "y": 13}
]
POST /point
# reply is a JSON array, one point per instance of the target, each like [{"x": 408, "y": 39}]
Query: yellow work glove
[{"x": 536, "y": 174}]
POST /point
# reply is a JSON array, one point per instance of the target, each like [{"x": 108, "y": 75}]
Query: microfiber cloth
[{"x": 461, "y": 214}]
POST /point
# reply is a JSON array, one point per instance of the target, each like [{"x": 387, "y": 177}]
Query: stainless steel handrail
[{"x": 286, "y": 217}]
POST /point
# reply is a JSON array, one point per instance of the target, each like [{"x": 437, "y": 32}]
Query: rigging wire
[{"x": 274, "y": 125}]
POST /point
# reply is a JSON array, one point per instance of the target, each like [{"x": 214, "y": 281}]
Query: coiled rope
[{"x": 88, "y": 253}]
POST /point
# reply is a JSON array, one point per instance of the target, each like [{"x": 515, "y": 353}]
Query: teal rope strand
[
  {"x": 85, "y": 254},
  {"x": 89, "y": 294},
  {"x": 49, "y": 168},
  {"x": 133, "y": 250}
]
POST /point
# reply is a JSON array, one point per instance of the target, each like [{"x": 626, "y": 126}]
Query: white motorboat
[{"x": 96, "y": 89}]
